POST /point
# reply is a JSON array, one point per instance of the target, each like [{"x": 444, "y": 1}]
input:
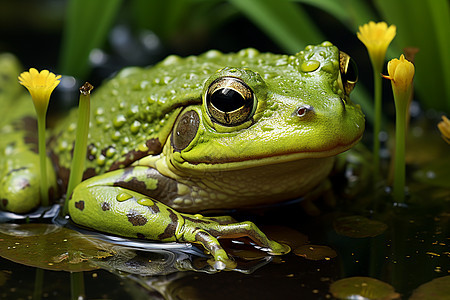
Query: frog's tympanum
[{"x": 209, "y": 132}]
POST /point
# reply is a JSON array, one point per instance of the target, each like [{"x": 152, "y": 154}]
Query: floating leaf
[
  {"x": 358, "y": 227},
  {"x": 286, "y": 235},
  {"x": 362, "y": 287},
  {"x": 436, "y": 289},
  {"x": 243, "y": 248},
  {"x": 50, "y": 247},
  {"x": 247, "y": 254},
  {"x": 315, "y": 252}
]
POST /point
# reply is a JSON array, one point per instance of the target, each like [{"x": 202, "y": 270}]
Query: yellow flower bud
[
  {"x": 401, "y": 73},
  {"x": 444, "y": 128}
]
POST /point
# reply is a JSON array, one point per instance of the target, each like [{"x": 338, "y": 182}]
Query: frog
[{"x": 169, "y": 143}]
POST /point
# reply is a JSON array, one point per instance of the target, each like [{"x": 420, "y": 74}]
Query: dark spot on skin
[
  {"x": 136, "y": 219},
  {"x": 154, "y": 146},
  {"x": 4, "y": 202},
  {"x": 88, "y": 173},
  {"x": 106, "y": 206},
  {"x": 166, "y": 189},
  {"x": 134, "y": 184},
  {"x": 79, "y": 205},
  {"x": 140, "y": 236},
  {"x": 28, "y": 125},
  {"x": 185, "y": 130},
  {"x": 171, "y": 228},
  {"x": 154, "y": 209},
  {"x": 63, "y": 177},
  {"x": 61, "y": 172}
]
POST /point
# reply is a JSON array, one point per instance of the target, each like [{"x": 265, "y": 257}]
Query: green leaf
[
  {"x": 87, "y": 25},
  {"x": 285, "y": 22},
  {"x": 362, "y": 287},
  {"x": 51, "y": 247},
  {"x": 438, "y": 288}
]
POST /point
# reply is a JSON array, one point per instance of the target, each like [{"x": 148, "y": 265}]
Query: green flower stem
[
  {"x": 77, "y": 285},
  {"x": 42, "y": 158},
  {"x": 79, "y": 153},
  {"x": 401, "y": 104},
  {"x": 377, "y": 122},
  {"x": 38, "y": 284}
]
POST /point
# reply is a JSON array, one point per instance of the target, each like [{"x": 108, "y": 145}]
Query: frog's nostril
[{"x": 304, "y": 110}]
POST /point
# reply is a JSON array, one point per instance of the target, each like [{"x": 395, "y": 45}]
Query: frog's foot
[
  {"x": 250, "y": 230},
  {"x": 212, "y": 245},
  {"x": 206, "y": 232}
]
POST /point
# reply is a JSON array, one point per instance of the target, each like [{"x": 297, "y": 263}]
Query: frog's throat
[{"x": 175, "y": 160}]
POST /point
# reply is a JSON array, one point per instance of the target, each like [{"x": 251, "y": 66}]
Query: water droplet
[
  {"x": 123, "y": 197},
  {"x": 101, "y": 159},
  {"x": 115, "y": 136},
  {"x": 110, "y": 152},
  {"x": 146, "y": 202},
  {"x": 135, "y": 126},
  {"x": 310, "y": 65},
  {"x": 119, "y": 121}
]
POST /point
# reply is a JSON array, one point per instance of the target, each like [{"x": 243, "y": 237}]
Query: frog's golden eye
[
  {"x": 349, "y": 72},
  {"x": 229, "y": 101}
]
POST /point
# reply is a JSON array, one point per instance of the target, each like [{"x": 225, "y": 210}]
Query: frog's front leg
[{"x": 103, "y": 204}]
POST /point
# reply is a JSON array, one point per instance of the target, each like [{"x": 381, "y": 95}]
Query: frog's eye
[
  {"x": 349, "y": 72},
  {"x": 229, "y": 101}
]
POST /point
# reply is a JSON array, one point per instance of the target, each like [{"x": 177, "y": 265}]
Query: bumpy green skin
[{"x": 154, "y": 150}]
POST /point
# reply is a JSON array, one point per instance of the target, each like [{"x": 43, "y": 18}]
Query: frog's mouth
[{"x": 240, "y": 162}]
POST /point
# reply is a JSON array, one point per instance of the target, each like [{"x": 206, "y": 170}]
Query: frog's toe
[
  {"x": 212, "y": 245},
  {"x": 222, "y": 265},
  {"x": 278, "y": 248}
]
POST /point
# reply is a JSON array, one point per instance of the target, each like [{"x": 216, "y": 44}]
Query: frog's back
[{"x": 132, "y": 113}]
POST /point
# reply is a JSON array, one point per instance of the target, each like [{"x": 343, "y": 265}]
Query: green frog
[{"x": 203, "y": 133}]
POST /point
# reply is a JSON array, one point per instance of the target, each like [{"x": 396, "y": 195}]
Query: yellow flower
[
  {"x": 376, "y": 37},
  {"x": 40, "y": 85},
  {"x": 401, "y": 73},
  {"x": 444, "y": 127}
]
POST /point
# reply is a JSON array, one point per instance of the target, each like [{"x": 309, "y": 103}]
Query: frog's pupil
[
  {"x": 351, "y": 73},
  {"x": 301, "y": 111},
  {"x": 227, "y": 100}
]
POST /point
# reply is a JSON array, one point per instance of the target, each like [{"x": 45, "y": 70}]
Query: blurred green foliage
[{"x": 423, "y": 24}]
